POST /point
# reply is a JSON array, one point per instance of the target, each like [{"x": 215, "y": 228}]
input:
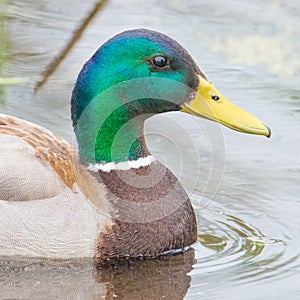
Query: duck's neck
[
  {"x": 111, "y": 130},
  {"x": 118, "y": 137}
]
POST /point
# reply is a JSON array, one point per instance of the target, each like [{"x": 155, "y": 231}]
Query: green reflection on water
[
  {"x": 4, "y": 53},
  {"x": 238, "y": 236},
  {"x": 212, "y": 242},
  {"x": 3, "y": 45},
  {"x": 252, "y": 239}
]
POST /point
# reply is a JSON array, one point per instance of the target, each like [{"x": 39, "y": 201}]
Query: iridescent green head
[{"x": 132, "y": 76}]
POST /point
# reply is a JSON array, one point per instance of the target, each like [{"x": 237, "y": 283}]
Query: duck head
[{"x": 134, "y": 75}]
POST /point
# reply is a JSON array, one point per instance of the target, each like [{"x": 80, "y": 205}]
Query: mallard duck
[{"x": 110, "y": 198}]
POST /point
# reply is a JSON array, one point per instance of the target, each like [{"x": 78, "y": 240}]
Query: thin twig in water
[{"x": 76, "y": 36}]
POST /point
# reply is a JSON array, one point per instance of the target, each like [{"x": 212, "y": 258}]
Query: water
[{"x": 244, "y": 188}]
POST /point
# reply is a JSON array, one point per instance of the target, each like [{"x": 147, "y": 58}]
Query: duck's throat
[{"x": 116, "y": 138}]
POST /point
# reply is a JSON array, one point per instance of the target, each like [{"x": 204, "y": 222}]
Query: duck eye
[{"x": 159, "y": 61}]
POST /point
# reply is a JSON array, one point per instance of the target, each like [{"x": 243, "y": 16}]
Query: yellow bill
[{"x": 210, "y": 104}]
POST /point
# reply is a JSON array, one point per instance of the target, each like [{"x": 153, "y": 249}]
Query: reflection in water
[
  {"x": 69, "y": 46},
  {"x": 155, "y": 279},
  {"x": 239, "y": 251},
  {"x": 233, "y": 240}
]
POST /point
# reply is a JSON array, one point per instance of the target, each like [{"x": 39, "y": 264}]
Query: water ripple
[{"x": 238, "y": 252}]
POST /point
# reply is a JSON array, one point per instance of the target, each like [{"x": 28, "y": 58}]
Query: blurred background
[{"x": 245, "y": 189}]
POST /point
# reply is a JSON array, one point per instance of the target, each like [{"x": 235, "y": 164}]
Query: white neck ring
[{"x": 122, "y": 166}]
